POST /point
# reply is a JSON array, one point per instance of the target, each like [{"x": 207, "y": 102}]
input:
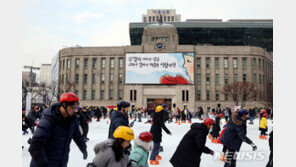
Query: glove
[
  {"x": 84, "y": 154},
  {"x": 254, "y": 146},
  {"x": 212, "y": 152}
]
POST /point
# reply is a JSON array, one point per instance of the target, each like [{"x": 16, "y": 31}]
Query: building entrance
[{"x": 153, "y": 103}]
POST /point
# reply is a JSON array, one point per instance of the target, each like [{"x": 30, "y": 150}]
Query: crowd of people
[{"x": 53, "y": 128}]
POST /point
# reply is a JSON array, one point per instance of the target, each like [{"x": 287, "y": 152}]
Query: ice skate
[
  {"x": 154, "y": 162},
  {"x": 158, "y": 157}
]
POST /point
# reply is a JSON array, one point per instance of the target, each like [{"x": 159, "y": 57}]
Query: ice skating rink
[{"x": 98, "y": 132}]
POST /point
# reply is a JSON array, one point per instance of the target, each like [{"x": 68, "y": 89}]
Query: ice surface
[{"x": 98, "y": 132}]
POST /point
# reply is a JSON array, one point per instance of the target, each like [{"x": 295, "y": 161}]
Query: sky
[{"x": 51, "y": 25}]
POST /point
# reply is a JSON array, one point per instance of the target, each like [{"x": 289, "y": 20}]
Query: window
[
  {"x": 102, "y": 94},
  {"x": 84, "y": 94},
  {"x": 120, "y": 78},
  {"x": 149, "y": 19},
  {"x": 226, "y": 97},
  {"x": 144, "y": 19},
  {"x": 63, "y": 64},
  {"x": 255, "y": 97},
  {"x": 111, "y": 95},
  {"x": 259, "y": 63},
  {"x": 67, "y": 78},
  {"x": 77, "y": 63},
  {"x": 234, "y": 78},
  {"x": 131, "y": 95},
  {"x": 68, "y": 63},
  {"x": 207, "y": 62},
  {"x": 62, "y": 78},
  {"x": 103, "y": 78},
  {"x": 226, "y": 79},
  {"x": 244, "y": 62},
  {"x": 93, "y": 94},
  {"x": 153, "y": 18},
  {"x": 85, "y": 63},
  {"x": 112, "y": 63},
  {"x": 254, "y": 78},
  {"x": 135, "y": 95},
  {"x": 120, "y": 94},
  {"x": 225, "y": 63},
  {"x": 198, "y": 79},
  {"x": 183, "y": 95},
  {"x": 208, "y": 95},
  {"x": 169, "y": 18},
  {"x": 103, "y": 62},
  {"x": 76, "y": 92},
  {"x": 260, "y": 79},
  {"x": 172, "y": 18},
  {"x": 121, "y": 63},
  {"x": 198, "y": 62},
  {"x": 217, "y": 79},
  {"x": 187, "y": 95},
  {"x": 234, "y": 63},
  {"x": 208, "y": 79},
  {"x": 198, "y": 95},
  {"x": 164, "y": 18},
  {"x": 254, "y": 63},
  {"x": 217, "y": 95},
  {"x": 94, "y": 78},
  {"x": 85, "y": 78},
  {"x": 94, "y": 63},
  {"x": 244, "y": 77},
  {"x": 77, "y": 78},
  {"x": 111, "y": 78},
  {"x": 217, "y": 63}
]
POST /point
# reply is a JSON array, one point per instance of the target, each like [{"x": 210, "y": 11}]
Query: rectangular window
[
  {"x": 153, "y": 18},
  {"x": 187, "y": 95},
  {"x": 254, "y": 63},
  {"x": 169, "y": 18},
  {"x": 198, "y": 79},
  {"x": 144, "y": 19},
  {"x": 102, "y": 95},
  {"x": 259, "y": 63},
  {"x": 111, "y": 95},
  {"x": 225, "y": 63},
  {"x": 198, "y": 62},
  {"x": 226, "y": 79},
  {"x": 234, "y": 63},
  {"x": 208, "y": 95},
  {"x": 120, "y": 94},
  {"x": 198, "y": 95},
  {"x": 234, "y": 78},
  {"x": 112, "y": 63},
  {"x": 149, "y": 19},
  {"x": 93, "y": 94},
  {"x": 254, "y": 78},
  {"x": 183, "y": 95},
  {"x": 63, "y": 64},
  {"x": 85, "y": 63},
  {"x": 217, "y": 79},
  {"x": 103, "y": 78},
  {"x": 207, "y": 62},
  {"x": 103, "y": 62},
  {"x": 85, "y": 78},
  {"x": 67, "y": 78},
  {"x": 226, "y": 97},
  {"x": 244, "y": 77},
  {"x": 217, "y": 95},
  {"x": 120, "y": 78},
  {"x": 244, "y": 62},
  {"x": 68, "y": 63},
  {"x": 121, "y": 63},
  {"x": 260, "y": 79},
  {"x": 77, "y": 63},
  {"x": 111, "y": 78},
  {"x": 164, "y": 18},
  {"x": 216, "y": 63},
  {"x": 84, "y": 94},
  {"x": 94, "y": 63},
  {"x": 63, "y": 78},
  {"x": 173, "y": 18},
  {"x": 94, "y": 78},
  {"x": 131, "y": 95},
  {"x": 208, "y": 79},
  {"x": 77, "y": 78},
  {"x": 135, "y": 95}
]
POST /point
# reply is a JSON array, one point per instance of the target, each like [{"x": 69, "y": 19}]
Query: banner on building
[{"x": 159, "y": 68}]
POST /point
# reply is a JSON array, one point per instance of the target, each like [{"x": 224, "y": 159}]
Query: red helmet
[
  {"x": 264, "y": 115},
  {"x": 264, "y": 111},
  {"x": 209, "y": 121},
  {"x": 220, "y": 115},
  {"x": 146, "y": 136},
  {"x": 68, "y": 97}
]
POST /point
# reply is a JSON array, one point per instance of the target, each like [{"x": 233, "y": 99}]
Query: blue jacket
[
  {"x": 51, "y": 141},
  {"x": 117, "y": 119},
  {"x": 235, "y": 133}
]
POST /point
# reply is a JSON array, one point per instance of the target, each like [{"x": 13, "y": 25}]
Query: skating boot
[
  {"x": 260, "y": 137},
  {"x": 264, "y": 137},
  {"x": 158, "y": 157},
  {"x": 154, "y": 162},
  {"x": 189, "y": 122},
  {"x": 210, "y": 137},
  {"x": 222, "y": 157}
]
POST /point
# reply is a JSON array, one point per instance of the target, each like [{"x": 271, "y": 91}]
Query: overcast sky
[{"x": 50, "y": 25}]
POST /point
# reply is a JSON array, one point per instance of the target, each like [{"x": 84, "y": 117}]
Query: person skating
[
  {"x": 32, "y": 117},
  {"x": 263, "y": 127},
  {"x": 187, "y": 114},
  {"x": 142, "y": 145},
  {"x": 183, "y": 116},
  {"x": 216, "y": 128},
  {"x": 192, "y": 145},
  {"x": 233, "y": 136},
  {"x": 82, "y": 120},
  {"x": 270, "y": 161},
  {"x": 25, "y": 121},
  {"x": 156, "y": 130},
  {"x": 252, "y": 115},
  {"x": 139, "y": 112},
  {"x": 50, "y": 145},
  {"x": 113, "y": 152}
]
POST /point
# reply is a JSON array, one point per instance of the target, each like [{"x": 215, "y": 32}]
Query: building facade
[
  {"x": 45, "y": 74},
  {"x": 97, "y": 74},
  {"x": 168, "y": 15}
]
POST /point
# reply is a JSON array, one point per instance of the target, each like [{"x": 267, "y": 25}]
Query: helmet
[
  {"x": 146, "y": 136},
  {"x": 23, "y": 108},
  {"x": 123, "y": 104},
  {"x": 220, "y": 115},
  {"x": 242, "y": 112},
  {"x": 36, "y": 108},
  {"x": 124, "y": 132},
  {"x": 209, "y": 121},
  {"x": 68, "y": 97},
  {"x": 158, "y": 108},
  {"x": 115, "y": 108},
  {"x": 264, "y": 115},
  {"x": 264, "y": 111}
]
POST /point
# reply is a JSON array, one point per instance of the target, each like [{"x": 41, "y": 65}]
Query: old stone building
[{"x": 97, "y": 74}]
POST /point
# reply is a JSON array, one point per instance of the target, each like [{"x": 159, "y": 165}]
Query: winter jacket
[
  {"x": 105, "y": 156},
  {"x": 140, "y": 153},
  {"x": 191, "y": 147},
  {"x": 216, "y": 128},
  {"x": 33, "y": 116},
  {"x": 82, "y": 120},
  {"x": 158, "y": 123},
  {"x": 117, "y": 119},
  {"x": 51, "y": 141},
  {"x": 263, "y": 123},
  {"x": 235, "y": 133}
]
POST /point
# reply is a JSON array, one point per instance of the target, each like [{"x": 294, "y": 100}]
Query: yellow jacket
[{"x": 263, "y": 123}]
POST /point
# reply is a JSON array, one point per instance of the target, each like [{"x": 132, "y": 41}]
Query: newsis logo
[{"x": 245, "y": 156}]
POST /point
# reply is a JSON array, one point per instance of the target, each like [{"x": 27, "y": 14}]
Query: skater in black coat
[
  {"x": 82, "y": 120},
  {"x": 192, "y": 145},
  {"x": 270, "y": 161},
  {"x": 216, "y": 128}
]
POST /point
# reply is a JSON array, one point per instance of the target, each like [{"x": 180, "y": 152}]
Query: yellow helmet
[
  {"x": 158, "y": 108},
  {"x": 124, "y": 132},
  {"x": 115, "y": 108}
]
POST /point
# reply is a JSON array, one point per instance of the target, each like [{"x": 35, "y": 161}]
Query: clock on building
[{"x": 159, "y": 45}]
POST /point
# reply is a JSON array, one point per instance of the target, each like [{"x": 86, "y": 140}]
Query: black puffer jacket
[
  {"x": 158, "y": 123},
  {"x": 117, "y": 119},
  {"x": 191, "y": 147},
  {"x": 216, "y": 127}
]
